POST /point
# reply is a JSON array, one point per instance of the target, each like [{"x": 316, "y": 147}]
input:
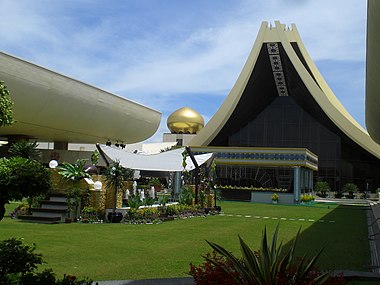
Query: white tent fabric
[{"x": 166, "y": 161}]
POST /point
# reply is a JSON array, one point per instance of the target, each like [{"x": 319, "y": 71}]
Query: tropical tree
[
  {"x": 6, "y": 113},
  {"x": 351, "y": 188},
  {"x": 25, "y": 149},
  {"x": 21, "y": 178},
  {"x": 74, "y": 173},
  {"x": 321, "y": 188},
  {"x": 115, "y": 175}
]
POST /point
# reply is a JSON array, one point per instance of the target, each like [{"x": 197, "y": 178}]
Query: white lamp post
[
  {"x": 53, "y": 163},
  {"x": 98, "y": 185}
]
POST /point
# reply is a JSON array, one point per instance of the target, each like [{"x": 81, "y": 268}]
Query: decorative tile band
[
  {"x": 275, "y": 157},
  {"x": 278, "y": 74}
]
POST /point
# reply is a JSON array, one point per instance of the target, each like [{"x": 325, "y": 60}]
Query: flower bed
[
  {"x": 251, "y": 188},
  {"x": 89, "y": 215},
  {"x": 156, "y": 215},
  {"x": 307, "y": 199}
]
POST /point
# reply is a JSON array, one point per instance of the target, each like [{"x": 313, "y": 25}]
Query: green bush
[
  {"x": 306, "y": 198},
  {"x": 17, "y": 258},
  {"x": 251, "y": 188},
  {"x": 186, "y": 195},
  {"x": 89, "y": 215},
  {"x": 134, "y": 201},
  {"x": 19, "y": 262},
  {"x": 351, "y": 188},
  {"x": 163, "y": 199},
  {"x": 142, "y": 216},
  {"x": 20, "y": 178},
  {"x": 321, "y": 188}
]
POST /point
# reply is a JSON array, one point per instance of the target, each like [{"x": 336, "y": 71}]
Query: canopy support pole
[
  {"x": 190, "y": 153},
  {"x": 102, "y": 154}
]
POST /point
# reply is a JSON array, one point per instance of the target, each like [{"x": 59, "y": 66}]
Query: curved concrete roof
[
  {"x": 313, "y": 81},
  {"x": 373, "y": 70},
  {"x": 52, "y": 107}
]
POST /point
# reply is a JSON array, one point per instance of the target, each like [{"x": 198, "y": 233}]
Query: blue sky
[{"x": 167, "y": 54}]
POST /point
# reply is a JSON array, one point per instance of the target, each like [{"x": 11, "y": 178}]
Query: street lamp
[
  {"x": 98, "y": 185},
  {"x": 53, "y": 163}
]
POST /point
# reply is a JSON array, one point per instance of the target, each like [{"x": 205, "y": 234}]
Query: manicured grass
[{"x": 118, "y": 251}]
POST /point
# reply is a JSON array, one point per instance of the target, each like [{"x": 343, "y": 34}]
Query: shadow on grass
[{"x": 344, "y": 234}]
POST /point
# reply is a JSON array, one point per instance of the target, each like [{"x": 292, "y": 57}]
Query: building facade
[{"x": 280, "y": 100}]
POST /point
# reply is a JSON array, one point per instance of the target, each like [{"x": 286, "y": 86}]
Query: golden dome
[{"x": 185, "y": 121}]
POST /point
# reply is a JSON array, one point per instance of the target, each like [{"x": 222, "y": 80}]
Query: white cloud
[{"x": 162, "y": 54}]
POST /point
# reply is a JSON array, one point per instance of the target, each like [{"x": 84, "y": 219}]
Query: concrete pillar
[
  {"x": 61, "y": 145},
  {"x": 177, "y": 183},
  {"x": 297, "y": 183}
]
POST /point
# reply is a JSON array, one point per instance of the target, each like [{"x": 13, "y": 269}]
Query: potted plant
[
  {"x": 351, "y": 188},
  {"x": 321, "y": 188},
  {"x": 115, "y": 175},
  {"x": 275, "y": 198}
]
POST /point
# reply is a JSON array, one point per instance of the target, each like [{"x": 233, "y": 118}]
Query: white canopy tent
[{"x": 168, "y": 161}]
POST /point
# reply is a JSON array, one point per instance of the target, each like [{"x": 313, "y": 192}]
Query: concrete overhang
[
  {"x": 373, "y": 70},
  {"x": 49, "y": 106}
]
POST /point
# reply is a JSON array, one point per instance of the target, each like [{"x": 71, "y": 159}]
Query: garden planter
[
  {"x": 217, "y": 208},
  {"x": 114, "y": 217}
]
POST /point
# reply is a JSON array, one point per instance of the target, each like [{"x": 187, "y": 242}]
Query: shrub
[
  {"x": 321, "y": 188},
  {"x": 134, "y": 201},
  {"x": 89, "y": 215},
  {"x": 149, "y": 201},
  {"x": 163, "y": 199},
  {"x": 20, "y": 178},
  {"x": 251, "y": 188},
  {"x": 17, "y": 258},
  {"x": 18, "y": 264},
  {"x": 22, "y": 209},
  {"x": 220, "y": 271},
  {"x": 142, "y": 216},
  {"x": 351, "y": 188},
  {"x": 268, "y": 265},
  {"x": 187, "y": 195},
  {"x": 306, "y": 198}
]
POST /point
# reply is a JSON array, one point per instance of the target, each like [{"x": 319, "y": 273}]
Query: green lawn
[{"x": 118, "y": 251}]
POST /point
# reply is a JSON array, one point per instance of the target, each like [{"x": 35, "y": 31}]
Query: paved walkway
[
  {"x": 162, "y": 281},
  {"x": 373, "y": 221}
]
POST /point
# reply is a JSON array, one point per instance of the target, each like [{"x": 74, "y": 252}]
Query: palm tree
[
  {"x": 115, "y": 175},
  {"x": 75, "y": 173},
  {"x": 25, "y": 149}
]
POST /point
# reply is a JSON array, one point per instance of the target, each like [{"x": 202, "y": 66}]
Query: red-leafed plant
[{"x": 269, "y": 265}]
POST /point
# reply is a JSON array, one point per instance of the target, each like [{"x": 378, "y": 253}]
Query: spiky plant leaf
[
  {"x": 309, "y": 267},
  {"x": 74, "y": 171},
  {"x": 239, "y": 267},
  {"x": 251, "y": 262},
  {"x": 268, "y": 265}
]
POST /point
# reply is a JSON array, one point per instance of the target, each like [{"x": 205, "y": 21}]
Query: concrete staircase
[{"x": 52, "y": 211}]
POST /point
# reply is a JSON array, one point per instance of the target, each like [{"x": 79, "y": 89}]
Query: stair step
[
  {"x": 58, "y": 198},
  {"x": 48, "y": 210},
  {"x": 53, "y": 202},
  {"x": 47, "y": 204},
  {"x": 37, "y": 219}
]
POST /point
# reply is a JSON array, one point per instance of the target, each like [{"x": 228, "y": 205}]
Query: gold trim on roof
[{"x": 317, "y": 87}]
